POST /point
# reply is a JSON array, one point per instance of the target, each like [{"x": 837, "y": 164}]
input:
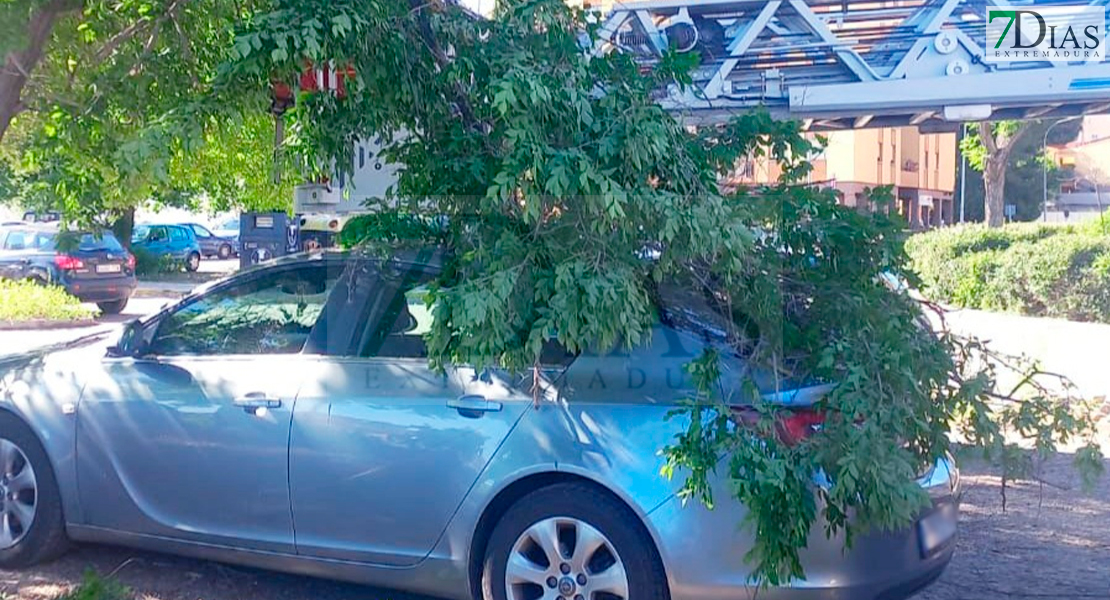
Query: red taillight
[
  {"x": 796, "y": 426},
  {"x": 131, "y": 261},
  {"x": 792, "y": 426},
  {"x": 68, "y": 263}
]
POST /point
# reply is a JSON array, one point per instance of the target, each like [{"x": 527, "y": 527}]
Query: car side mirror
[{"x": 130, "y": 342}]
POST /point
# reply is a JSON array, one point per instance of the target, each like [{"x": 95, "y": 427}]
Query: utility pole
[{"x": 1044, "y": 165}]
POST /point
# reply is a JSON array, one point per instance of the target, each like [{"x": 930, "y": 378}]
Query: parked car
[
  {"x": 175, "y": 242},
  {"x": 228, "y": 228},
  {"x": 213, "y": 245},
  {"x": 92, "y": 266},
  {"x": 299, "y": 392}
]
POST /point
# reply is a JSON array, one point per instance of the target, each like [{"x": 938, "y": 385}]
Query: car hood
[{"x": 10, "y": 362}]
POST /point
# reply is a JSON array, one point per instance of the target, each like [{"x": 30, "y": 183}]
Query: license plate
[
  {"x": 937, "y": 529},
  {"x": 107, "y": 268}
]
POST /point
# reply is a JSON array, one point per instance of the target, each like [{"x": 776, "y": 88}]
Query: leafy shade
[{"x": 567, "y": 195}]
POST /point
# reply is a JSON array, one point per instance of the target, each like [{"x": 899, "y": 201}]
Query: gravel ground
[{"x": 1052, "y": 542}]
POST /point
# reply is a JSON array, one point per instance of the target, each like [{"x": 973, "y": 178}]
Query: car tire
[
  {"x": 224, "y": 252},
  {"x": 192, "y": 262},
  {"x": 114, "y": 307},
  {"x": 45, "y": 538},
  {"x": 623, "y": 551}
]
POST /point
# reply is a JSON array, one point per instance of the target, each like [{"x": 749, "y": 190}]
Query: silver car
[{"x": 286, "y": 418}]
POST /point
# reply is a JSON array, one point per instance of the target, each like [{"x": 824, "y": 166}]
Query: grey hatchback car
[{"x": 286, "y": 418}]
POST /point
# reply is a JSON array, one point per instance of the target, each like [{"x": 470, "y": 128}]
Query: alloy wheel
[
  {"x": 565, "y": 559},
  {"x": 18, "y": 494}
]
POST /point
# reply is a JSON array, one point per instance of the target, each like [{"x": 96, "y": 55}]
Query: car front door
[
  {"x": 157, "y": 240},
  {"x": 383, "y": 449},
  {"x": 188, "y": 438}
]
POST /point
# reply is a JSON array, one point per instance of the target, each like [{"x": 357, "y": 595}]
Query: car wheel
[
  {"x": 32, "y": 529},
  {"x": 192, "y": 263},
  {"x": 224, "y": 252},
  {"x": 114, "y": 307},
  {"x": 571, "y": 541}
]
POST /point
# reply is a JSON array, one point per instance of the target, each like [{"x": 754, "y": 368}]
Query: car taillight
[
  {"x": 68, "y": 263},
  {"x": 131, "y": 261},
  {"x": 792, "y": 426}
]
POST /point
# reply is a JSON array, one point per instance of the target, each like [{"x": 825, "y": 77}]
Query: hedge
[
  {"x": 1045, "y": 270},
  {"x": 22, "y": 301}
]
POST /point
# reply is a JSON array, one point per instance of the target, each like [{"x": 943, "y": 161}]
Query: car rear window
[
  {"x": 84, "y": 242},
  {"x": 694, "y": 307}
]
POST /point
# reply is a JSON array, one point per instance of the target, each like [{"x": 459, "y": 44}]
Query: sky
[{"x": 484, "y": 7}]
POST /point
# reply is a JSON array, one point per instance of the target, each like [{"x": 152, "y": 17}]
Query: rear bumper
[
  {"x": 703, "y": 552},
  {"x": 101, "y": 290}
]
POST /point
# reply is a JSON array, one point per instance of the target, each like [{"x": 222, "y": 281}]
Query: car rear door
[
  {"x": 383, "y": 450},
  {"x": 209, "y": 245},
  {"x": 189, "y": 440},
  {"x": 13, "y": 254}
]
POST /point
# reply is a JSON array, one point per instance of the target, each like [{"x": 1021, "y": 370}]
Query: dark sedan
[
  {"x": 93, "y": 267},
  {"x": 213, "y": 245}
]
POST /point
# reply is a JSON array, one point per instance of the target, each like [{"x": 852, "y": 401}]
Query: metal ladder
[{"x": 843, "y": 64}]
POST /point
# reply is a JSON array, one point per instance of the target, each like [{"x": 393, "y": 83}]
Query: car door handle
[
  {"x": 473, "y": 405},
  {"x": 256, "y": 400}
]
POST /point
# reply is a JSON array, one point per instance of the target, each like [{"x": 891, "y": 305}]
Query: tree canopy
[
  {"x": 122, "y": 108},
  {"x": 569, "y": 195}
]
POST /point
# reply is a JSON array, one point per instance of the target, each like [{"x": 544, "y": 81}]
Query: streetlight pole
[{"x": 1044, "y": 164}]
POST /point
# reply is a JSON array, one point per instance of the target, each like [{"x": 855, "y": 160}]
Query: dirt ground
[{"x": 1052, "y": 542}]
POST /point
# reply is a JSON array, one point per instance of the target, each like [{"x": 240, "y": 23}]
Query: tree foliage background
[
  {"x": 1024, "y": 181},
  {"x": 122, "y": 109},
  {"x": 569, "y": 195}
]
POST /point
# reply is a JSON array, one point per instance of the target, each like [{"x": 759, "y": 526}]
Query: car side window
[
  {"x": 400, "y": 317},
  {"x": 16, "y": 240},
  {"x": 177, "y": 234},
  {"x": 272, "y": 313},
  {"x": 405, "y": 317},
  {"x": 201, "y": 232},
  {"x": 158, "y": 234}
]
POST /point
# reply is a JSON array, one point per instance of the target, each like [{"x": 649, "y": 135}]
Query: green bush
[
  {"x": 28, "y": 301},
  {"x": 1035, "y": 269},
  {"x": 148, "y": 263}
]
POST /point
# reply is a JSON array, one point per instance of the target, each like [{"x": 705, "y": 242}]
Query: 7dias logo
[{"x": 1055, "y": 34}]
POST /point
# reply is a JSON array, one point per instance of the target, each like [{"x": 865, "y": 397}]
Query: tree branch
[
  {"x": 112, "y": 45},
  {"x": 20, "y": 64}
]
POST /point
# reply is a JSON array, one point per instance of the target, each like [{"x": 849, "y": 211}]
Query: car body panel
[
  {"x": 366, "y": 435},
  {"x": 367, "y": 475},
  {"x": 143, "y": 420},
  {"x": 42, "y": 387}
]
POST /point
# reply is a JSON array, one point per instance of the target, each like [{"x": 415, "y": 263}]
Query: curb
[
  {"x": 46, "y": 325},
  {"x": 157, "y": 293}
]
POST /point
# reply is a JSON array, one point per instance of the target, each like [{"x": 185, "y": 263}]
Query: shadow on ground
[{"x": 1052, "y": 542}]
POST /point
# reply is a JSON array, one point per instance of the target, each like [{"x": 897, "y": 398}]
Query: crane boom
[{"x": 841, "y": 64}]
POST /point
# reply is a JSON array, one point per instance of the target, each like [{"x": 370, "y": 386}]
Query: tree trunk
[
  {"x": 994, "y": 180},
  {"x": 123, "y": 226},
  {"x": 18, "y": 66}
]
